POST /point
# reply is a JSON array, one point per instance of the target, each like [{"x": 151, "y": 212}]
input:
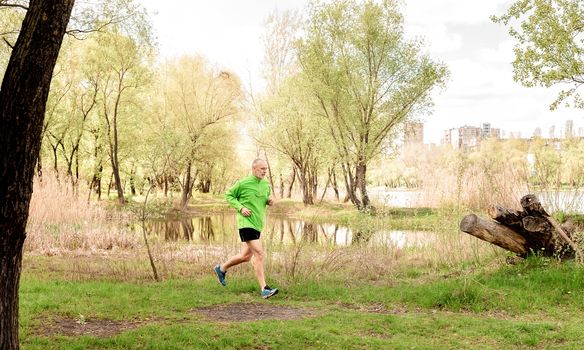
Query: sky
[{"x": 458, "y": 33}]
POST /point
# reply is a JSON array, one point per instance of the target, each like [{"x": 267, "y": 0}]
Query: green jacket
[{"x": 251, "y": 193}]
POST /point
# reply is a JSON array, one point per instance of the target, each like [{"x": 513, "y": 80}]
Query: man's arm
[{"x": 232, "y": 196}]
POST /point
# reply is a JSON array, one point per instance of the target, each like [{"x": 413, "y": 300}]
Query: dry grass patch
[
  {"x": 249, "y": 312},
  {"x": 76, "y": 327}
]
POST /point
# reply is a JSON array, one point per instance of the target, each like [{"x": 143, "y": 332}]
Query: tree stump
[{"x": 529, "y": 231}]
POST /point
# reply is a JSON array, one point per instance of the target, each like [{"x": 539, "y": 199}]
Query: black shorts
[{"x": 249, "y": 234}]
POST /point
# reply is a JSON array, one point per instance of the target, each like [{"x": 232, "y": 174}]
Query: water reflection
[{"x": 223, "y": 229}]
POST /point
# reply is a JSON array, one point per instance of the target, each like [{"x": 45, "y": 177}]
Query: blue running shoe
[
  {"x": 269, "y": 292},
  {"x": 220, "y": 275}
]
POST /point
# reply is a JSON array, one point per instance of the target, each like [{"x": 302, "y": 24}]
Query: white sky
[{"x": 458, "y": 33}]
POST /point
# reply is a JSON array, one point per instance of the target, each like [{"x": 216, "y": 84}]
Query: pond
[
  {"x": 553, "y": 200},
  {"x": 219, "y": 229}
]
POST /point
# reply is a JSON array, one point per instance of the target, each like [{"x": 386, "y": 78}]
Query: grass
[{"x": 534, "y": 304}]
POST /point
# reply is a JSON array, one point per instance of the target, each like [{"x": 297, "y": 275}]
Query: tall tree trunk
[
  {"x": 23, "y": 97},
  {"x": 281, "y": 186},
  {"x": 361, "y": 185},
  {"x": 326, "y": 186},
  {"x": 76, "y": 172},
  {"x": 133, "y": 180},
  {"x": 292, "y": 180},
  {"x": 96, "y": 180},
  {"x": 335, "y": 184},
  {"x": 55, "y": 160},
  {"x": 165, "y": 186},
  {"x": 350, "y": 184},
  {"x": 313, "y": 181},
  {"x": 306, "y": 185},
  {"x": 117, "y": 179},
  {"x": 109, "y": 185},
  {"x": 187, "y": 190}
]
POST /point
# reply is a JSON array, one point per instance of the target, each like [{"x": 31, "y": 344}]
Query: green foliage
[
  {"x": 292, "y": 126},
  {"x": 549, "y": 49},
  {"x": 10, "y": 21},
  {"x": 193, "y": 110},
  {"x": 558, "y": 168}
]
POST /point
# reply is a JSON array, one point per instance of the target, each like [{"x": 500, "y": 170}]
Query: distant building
[
  {"x": 581, "y": 132},
  {"x": 552, "y": 132},
  {"x": 569, "y": 129},
  {"x": 413, "y": 133},
  {"x": 446, "y": 137},
  {"x": 468, "y": 137},
  {"x": 486, "y": 130},
  {"x": 537, "y": 132},
  {"x": 496, "y": 133}
]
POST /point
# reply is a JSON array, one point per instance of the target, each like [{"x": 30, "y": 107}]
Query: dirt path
[{"x": 239, "y": 312}]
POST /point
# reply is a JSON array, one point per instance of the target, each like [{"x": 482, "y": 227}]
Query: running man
[{"x": 249, "y": 196}]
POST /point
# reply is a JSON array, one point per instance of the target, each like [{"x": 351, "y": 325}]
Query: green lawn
[{"x": 535, "y": 304}]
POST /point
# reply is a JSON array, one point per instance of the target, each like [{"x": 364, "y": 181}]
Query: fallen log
[
  {"x": 495, "y": 233},
  {"x": 524, "y": 231}
]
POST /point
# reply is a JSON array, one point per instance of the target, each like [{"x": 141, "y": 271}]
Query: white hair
[{"x": 256, "y": 161}]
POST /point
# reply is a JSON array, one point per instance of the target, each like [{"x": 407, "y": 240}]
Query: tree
[
  {"x": 549, "y": 49},
  {"x": 10, "y": 21},
  {"x": 367, "y": 78},
  {"x": 292, "y": 128},
  {"x": 197, "y": 96},
  {"x": 119, "y": 71},
  {"x": 287, "y": 122},
  {"x": 279, "y": 56},
  {"x": 23, "y": 97},
  {"x": 70, "y": 107}
]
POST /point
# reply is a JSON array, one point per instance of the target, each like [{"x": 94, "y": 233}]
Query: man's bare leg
[
  {"x": 257, "y": 261},
  {"x": 244, "y": 256}
]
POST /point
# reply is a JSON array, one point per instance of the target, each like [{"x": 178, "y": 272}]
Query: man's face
[{"x": 260, "y": 170}]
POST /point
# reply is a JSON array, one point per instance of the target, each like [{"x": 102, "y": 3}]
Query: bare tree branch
[
  {"x": 3, "y": 4},
  {"x": 8, "y": 43}
]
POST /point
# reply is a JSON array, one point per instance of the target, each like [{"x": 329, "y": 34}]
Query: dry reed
[
  {"x": 473, "y": 180},
  {"x": 60, "y": 220}
]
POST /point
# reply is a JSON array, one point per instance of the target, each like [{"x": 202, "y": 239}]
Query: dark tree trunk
[
  {"x": 305, "y": 184},
  {"x": 335, "y": 185},
  {"x": 133, "y": 181},
  {"x": 187, "y": 190},
  {"x": 361, "y": 185},
  {"x": 23, "y": 98},
  {"x": 350, "y": 185},
  {"x": 55, "y": 160},
  {"x": 96, "y": 181},
  {"x": 205, "y": 185},
  {"x": 165, "y": 186},
  {"x": 109, "y": 185},
  {"x": 117, "y": 178}
]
